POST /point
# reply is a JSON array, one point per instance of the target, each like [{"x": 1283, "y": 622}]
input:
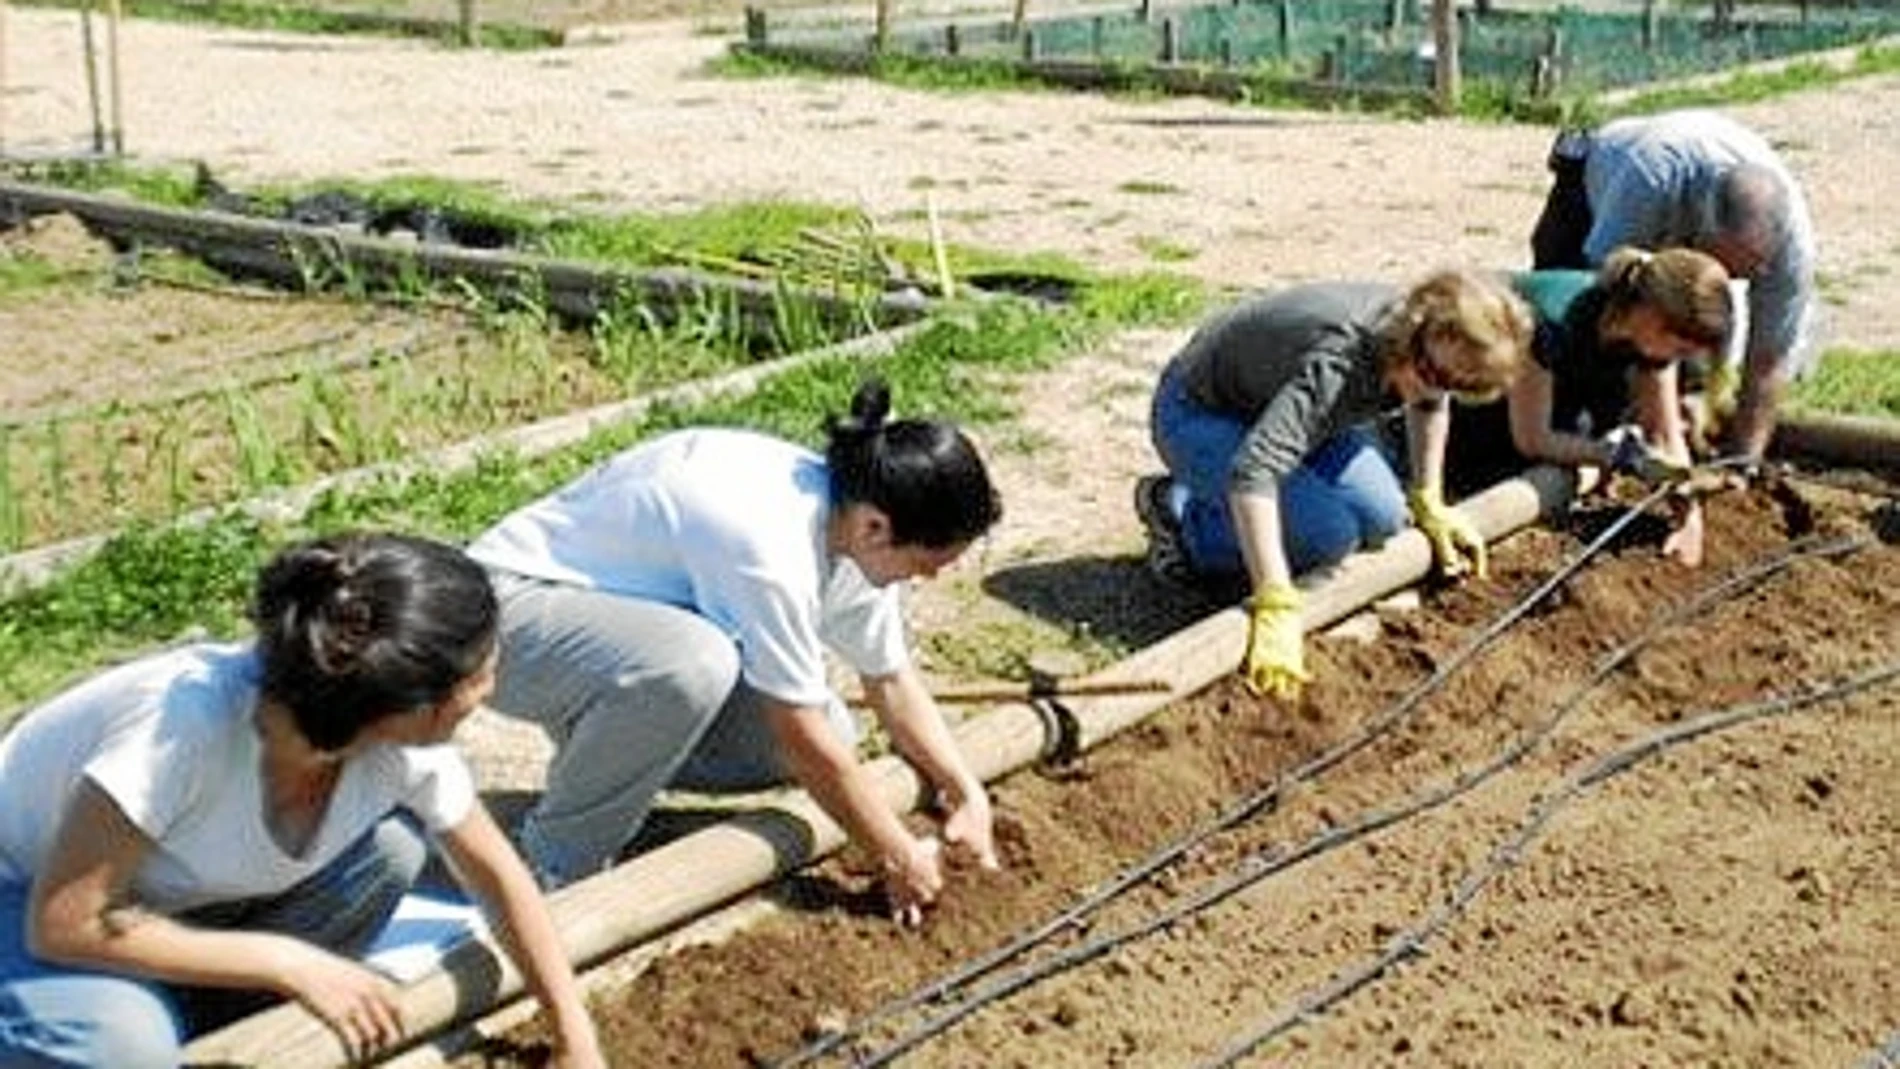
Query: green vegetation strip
[
  {"x": 1853, "y": 382},
  {"x": 367, "y": 19},
  {"x": 153, "y": 584}
]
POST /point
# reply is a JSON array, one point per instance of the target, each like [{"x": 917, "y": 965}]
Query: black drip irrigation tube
[
  {"x": 1259, "y": 866},
  {"x": 1510, "y": 852},
  {"x": 1261, "y": 801}
]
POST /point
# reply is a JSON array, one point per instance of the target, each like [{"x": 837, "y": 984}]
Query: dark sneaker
[{"x": 1167, "y": 557}]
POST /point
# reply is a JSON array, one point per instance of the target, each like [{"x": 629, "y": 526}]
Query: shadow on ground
[{"x": 1113, "y": 599}]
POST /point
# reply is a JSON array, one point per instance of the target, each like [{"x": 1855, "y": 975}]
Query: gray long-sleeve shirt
[
  {"x": 1300, "y": 364},
  {"x": 1652, "y": 183}
]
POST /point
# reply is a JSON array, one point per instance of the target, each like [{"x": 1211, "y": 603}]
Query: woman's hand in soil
[
  {"x": 971, "y": 827},
  {"x": 913, "y": 878},
  {"x": 357, "y": 1003},
  {"x": 1457, "y": 545},
  {"x": 1275, "y": 661},
  {"x": 1684, "y": 544}
]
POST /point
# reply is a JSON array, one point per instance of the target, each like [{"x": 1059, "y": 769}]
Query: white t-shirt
[
  {"x": 172, "y": 740},
  {"x": 727, "y": 523}
]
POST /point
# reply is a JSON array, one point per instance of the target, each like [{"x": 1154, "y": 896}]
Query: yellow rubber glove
[
  {"x": 1275, "y": 665},
  {"x": 1452, "y": 535}
]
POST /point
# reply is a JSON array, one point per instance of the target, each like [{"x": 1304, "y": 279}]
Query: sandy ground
[{"x": 1255, "y": 197}]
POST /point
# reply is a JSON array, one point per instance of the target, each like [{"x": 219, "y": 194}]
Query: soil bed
[
  {"x": 1726, "y": 902},
  {"x": 171, "y": 396}
]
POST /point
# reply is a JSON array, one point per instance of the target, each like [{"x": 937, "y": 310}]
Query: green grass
[
  {"x": 152, "y": 585},
  {"x": 1857, "y": 382},
  {"x": 1747, "y": 86},
  {"x": 364, "y": 19},
  {"x": 1276, "y": 86},
  {"x": 28, "y": 273}
]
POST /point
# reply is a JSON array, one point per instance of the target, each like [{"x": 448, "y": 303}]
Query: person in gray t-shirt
[
  {"x": 1700, "y": 180},
  {"x": 1261, "y": 420}
]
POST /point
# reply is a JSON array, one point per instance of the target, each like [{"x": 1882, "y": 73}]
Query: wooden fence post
[
  {"x": 1445, "y": 69},
  {"x": 756, "y": 33},
  {"x": 881, "y": 37},
  {"x": 468, "y": 25}
]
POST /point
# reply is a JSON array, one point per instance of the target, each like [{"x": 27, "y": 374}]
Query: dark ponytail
[
  {"x": 358, "y": 627},
  {"x": 922, "y": 474}
]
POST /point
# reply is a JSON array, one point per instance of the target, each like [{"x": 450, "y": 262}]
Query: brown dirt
[{"x": 1726, "y": 903}]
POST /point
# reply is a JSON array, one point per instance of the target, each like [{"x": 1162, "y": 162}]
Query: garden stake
[
  {"x": 92, "y": 77},
  {"x": 112, "y": 76}
]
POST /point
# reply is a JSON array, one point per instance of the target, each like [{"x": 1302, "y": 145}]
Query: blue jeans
[
  {"x": 1344, "y": 495},
  {"x": 54, "y": 1016}
]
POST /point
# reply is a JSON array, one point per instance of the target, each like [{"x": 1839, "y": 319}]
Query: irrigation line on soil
[
  {"x": 1245, "y": 809},
  {"x": 1510, "y": 852},
  {"x": 1263, "y": 864}
]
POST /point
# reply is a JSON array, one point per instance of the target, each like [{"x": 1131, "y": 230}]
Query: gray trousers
[{"x": 637, "y": 696}]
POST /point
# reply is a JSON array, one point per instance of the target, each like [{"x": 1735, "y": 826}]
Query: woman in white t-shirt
[
  {"x": 186, "y": 838},
  {"x": 665, "y": 618}
]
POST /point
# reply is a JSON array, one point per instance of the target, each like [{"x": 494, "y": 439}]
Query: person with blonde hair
[
  {"x": 1604, "y": 385},
  {"x": 1263, "y": 421}
]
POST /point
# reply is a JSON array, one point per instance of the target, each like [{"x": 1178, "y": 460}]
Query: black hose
[
  {"x": 1511, "y": 851},
  {"x": 1260, "y": 866}
]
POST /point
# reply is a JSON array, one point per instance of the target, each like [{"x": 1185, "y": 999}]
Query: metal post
[
  {"x": 881, "y": 36},
  {"x": 1170, "y": 45},
  {"x": 1226, "y": 51},
  {"x": 1031, "y": 50},
  {"x": 1145, "y": 10},
  {"x": 755, "y": 27},
  {"x": 470, "y": 29},
  {"x": 1098, "y": 33},
  {"x": 952, "y": 40},
  {"x": 1284, "y": 11},
  {"x": 1649, "y": 25}
]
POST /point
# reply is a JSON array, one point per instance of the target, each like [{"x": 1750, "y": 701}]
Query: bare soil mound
[{"x": 1726, "y": 901}]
